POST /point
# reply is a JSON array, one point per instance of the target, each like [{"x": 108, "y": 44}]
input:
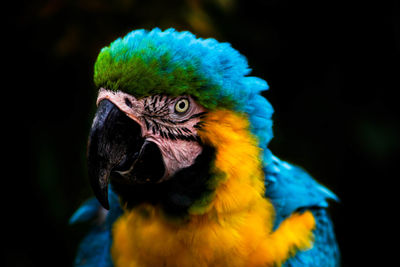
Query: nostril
[{"x": 128, "y": 102}]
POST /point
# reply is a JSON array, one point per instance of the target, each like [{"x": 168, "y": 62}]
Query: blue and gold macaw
[{"x": 178, "y": 158}]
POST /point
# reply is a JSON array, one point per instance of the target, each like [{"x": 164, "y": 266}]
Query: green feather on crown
[{"x": 175, "y": 63}]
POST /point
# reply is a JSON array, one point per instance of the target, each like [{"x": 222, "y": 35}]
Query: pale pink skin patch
[{"x": 156, "y": 114}]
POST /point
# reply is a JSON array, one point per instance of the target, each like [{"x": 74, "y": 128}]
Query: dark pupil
[{"x": 182, "y": 105}]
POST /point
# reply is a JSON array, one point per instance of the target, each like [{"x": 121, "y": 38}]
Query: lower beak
[{"x": 116, "y": 149}]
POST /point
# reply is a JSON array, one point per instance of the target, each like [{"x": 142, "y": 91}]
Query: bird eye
[{"x": 182, "y": 105}]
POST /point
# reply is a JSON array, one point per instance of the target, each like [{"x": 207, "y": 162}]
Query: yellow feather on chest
[{"x": 234, "y": 229}]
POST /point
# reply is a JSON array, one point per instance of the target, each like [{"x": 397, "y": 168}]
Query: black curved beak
[{"x": 117, "y": 150}]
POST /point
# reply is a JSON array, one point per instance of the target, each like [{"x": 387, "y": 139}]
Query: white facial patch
[{"x": 169, "y": 122}]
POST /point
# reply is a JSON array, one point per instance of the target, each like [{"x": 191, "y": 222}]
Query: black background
[{"x": 333, "y": 71}]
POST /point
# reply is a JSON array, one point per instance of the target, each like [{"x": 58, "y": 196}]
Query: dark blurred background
[{"x": 333, "y": 71}]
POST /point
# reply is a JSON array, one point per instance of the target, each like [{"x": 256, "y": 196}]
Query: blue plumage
[
  {"x": 292, "y": 189},
  {"x": 325, "y": 251},
  {"x": 94, "y": 249},
  {"x": 288, "y": 187},
  {"x": 222, "y": 69}
]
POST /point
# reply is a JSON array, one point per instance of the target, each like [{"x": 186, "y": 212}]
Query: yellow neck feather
[
  {"x": 228, "y": 231},
  {"x": 237, "y": 162}
]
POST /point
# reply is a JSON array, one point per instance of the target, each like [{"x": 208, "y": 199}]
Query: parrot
[{"x": 179, "y": 164}]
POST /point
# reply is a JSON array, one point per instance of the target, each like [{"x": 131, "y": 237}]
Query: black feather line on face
[
  {"x": 171, "y": 136},
  {"x": 186, "y": 130},
  {"x": 163, "y": 107},
  {"x": 156, "y": 100},
  {"x": 173, "y": 133},
  {"x": 146, "y": 105},
  {"x": 201, "y": 114},
  {"x": 156, "y": 126},
  {"x": 147, "y": 124},
  {"x": 158, "y": 122},
  {"x": 163, "y": 135},
  {"x": 198, "y": 125}
]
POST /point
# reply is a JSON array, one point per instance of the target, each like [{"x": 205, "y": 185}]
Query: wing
[
  {"x": 291, "y": 189},
  {"x": 94, "y": 249}
]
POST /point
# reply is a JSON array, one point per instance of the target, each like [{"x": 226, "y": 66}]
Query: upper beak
[{"x": 117, "y": 149}]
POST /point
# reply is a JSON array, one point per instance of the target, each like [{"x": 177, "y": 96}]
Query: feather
[
  {"x": 292, "y": 189},
  {"x": 145, "y": 63},
  {"x": 169, "y": 62},
  {"x": 94, "y": 249},
  {"x": 86, "y": 212}
]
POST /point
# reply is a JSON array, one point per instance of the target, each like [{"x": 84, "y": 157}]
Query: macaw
[{"x": 178, "y": 160}]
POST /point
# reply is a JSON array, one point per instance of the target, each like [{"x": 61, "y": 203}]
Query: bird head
[{"x": 176, "y": 116}]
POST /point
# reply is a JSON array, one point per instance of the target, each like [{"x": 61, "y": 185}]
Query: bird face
[{"x": 141, "y": 141}]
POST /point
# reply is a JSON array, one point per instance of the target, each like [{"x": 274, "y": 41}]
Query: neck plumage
[
  {"x": 238, "y": 178},
  {"x": 226, "y": 227}
]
